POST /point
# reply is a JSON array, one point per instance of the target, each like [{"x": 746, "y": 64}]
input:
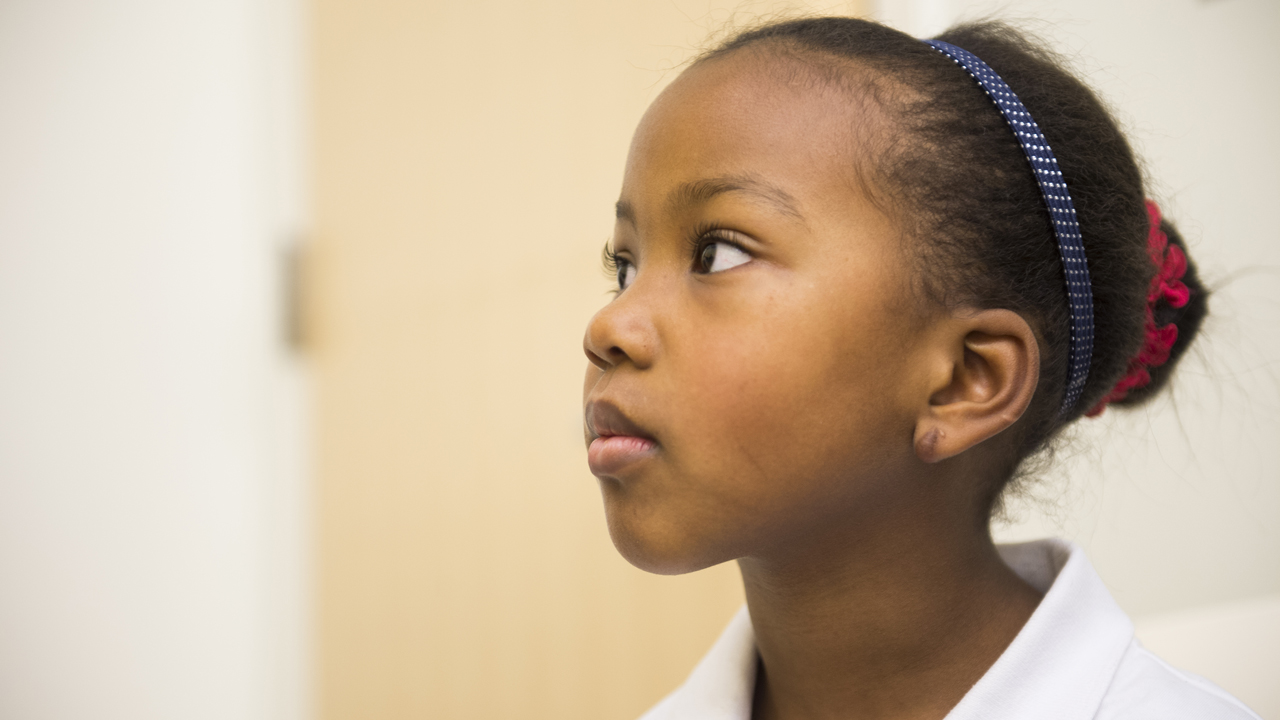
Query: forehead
[{"x": 753, "y": 114}]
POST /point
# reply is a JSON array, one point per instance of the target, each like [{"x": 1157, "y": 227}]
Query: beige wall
[{"x": 467, "y": 156}]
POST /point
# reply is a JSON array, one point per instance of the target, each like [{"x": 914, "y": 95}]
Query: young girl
[{"x": 860, "y": 280}]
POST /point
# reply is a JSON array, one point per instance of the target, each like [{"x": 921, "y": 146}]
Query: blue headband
[{"x": 1061, "y": 211}]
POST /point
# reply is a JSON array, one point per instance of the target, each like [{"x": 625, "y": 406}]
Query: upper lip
[{"x": 604, "y": 419}]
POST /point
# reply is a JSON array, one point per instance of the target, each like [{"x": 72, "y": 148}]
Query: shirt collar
[{"x": 1058, "y": 667}]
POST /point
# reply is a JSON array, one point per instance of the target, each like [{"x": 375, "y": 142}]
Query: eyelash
[
  {"x": 609, "y": 258},
  {"x": 702, "y": 235}
]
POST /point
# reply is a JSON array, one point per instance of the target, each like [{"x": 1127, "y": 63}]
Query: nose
[{"x": 622, "y": 332}]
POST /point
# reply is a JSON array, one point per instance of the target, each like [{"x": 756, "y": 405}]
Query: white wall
[
  {"x": 152, "y": 554},
  {"x": 1178, "y": 505}
]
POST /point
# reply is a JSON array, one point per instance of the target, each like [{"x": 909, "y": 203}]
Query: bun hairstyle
[{"x": 953, "y": 173}]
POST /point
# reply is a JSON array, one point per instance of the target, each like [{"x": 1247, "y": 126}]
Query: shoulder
[{"x": 1147, "y": 688}]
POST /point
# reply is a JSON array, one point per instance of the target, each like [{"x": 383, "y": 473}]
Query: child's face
[{"x": 770, "y": 378}]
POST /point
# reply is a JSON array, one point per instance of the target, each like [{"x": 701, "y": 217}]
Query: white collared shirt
[{"x": 1075, "y": 659}]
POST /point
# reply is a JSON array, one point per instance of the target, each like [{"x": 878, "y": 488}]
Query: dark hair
[{"x": 958, "y": 181}]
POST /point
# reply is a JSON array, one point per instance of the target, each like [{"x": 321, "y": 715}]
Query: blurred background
[{"x": 291, "y": 304}]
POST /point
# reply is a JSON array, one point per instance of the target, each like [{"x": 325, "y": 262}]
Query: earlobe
[
  {"x": 992, "y": 369},
  {"x": 926, "y": 444}
]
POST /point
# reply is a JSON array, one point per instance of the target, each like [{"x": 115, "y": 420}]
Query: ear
[{"x": 983, "y": 378}]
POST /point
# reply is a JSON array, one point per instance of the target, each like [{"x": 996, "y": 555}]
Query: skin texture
[{"x": 803, "y": 412}]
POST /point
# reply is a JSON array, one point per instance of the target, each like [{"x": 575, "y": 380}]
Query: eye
[
  {"x": 622, "y": 270},
  {"x": 626, "y": 273},
  {"x": 719, "y": 256}
]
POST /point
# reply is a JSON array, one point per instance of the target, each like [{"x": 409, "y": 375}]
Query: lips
[{"x": 617, "y": 442}]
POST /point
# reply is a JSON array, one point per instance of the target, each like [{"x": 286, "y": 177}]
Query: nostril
[{"x": 602, "y": 363}]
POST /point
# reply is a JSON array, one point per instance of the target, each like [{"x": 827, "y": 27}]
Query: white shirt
[{"x": 1075, "y": 659}]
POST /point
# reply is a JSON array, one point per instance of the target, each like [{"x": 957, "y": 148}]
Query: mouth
[{"x": 615, "y": 441}]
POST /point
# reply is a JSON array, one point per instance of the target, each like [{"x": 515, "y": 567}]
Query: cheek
[
  {"x": 773, "y": 417},
  {"x": 788, "y": 408},
  {"x": 804, "y": 365}
]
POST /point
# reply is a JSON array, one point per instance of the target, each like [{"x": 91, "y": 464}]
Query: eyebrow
[{"x": 697, "y": 192}]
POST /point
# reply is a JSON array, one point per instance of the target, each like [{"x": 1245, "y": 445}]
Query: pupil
[{"x": 708, "y": 257}]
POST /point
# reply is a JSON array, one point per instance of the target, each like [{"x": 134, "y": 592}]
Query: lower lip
[{"x": 608, "y": 455}]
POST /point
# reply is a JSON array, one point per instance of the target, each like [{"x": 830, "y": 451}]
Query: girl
[{"x": 860, "y": 281}]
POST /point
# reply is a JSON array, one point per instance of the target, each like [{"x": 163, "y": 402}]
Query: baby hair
[{"x": 955, "y": 177}]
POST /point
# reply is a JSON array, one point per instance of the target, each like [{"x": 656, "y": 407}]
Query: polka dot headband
[{"x": 1061, "y": 211}]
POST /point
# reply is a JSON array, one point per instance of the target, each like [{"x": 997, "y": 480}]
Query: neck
[{"x": 894, "y": 621}]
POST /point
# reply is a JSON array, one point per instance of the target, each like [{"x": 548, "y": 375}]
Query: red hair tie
[{"x": 1171, "y": 265}]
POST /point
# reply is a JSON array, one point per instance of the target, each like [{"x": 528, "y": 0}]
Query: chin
[{"x": 661, "y": 547}]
